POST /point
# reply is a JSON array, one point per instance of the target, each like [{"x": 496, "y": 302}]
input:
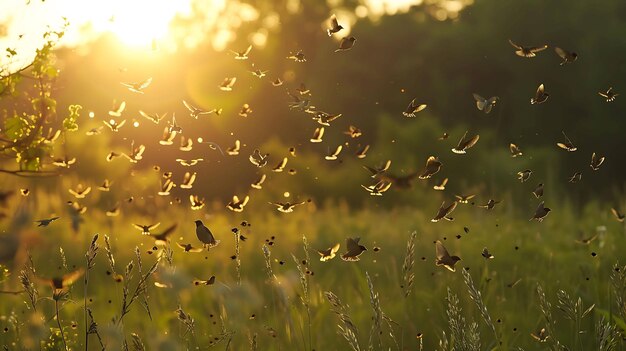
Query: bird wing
[
  {"x": 69, "y": 278},
  {"x": 540, "y": 90},
  {"x": 562, "y": 53},
  {"x": 440, "y": 251},
  {"x": 515, "y": 45},
  {"x": 145, "y": 83},
  {"x": 352, "y": 245},
  {"x": 471, "y": 142}
]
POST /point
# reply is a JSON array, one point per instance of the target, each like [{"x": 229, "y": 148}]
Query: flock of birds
[{"x": 299, "y": 101}]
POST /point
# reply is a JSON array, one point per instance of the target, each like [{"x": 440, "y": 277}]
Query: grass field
[
  {"x": 276, "y": 299},
  {"x": 146, "y": 96}
]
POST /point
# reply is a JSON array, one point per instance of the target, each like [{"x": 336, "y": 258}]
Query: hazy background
[{"x": 402, "y": 51}]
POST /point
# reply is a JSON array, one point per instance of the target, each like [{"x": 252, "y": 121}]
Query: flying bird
[
  {"x": 173, "y": 126},
  {"x": 433, "y": 165},
  {"x": 333, "y": 156},
  {"x": 486, "y": 254},
  {"x": 346, "y": 44},
  {"x": 609, "y": 95},
  {"x": 354, "y": 250},
  {"x": 328, "y": 254},
  {"x": 483, "y": 104},
  {"x": 227, "y": 84},
  {"x": 114, "y": 125},
  {"x": 325, "y": 118},
  {"x": 463, "y": 199},
  {"x": 378, "y": 188},
  {"x": 317, "y": 135},
  {"x": 441, "y": 186},
  {"x": 188, "y": 180},
  {"x": 541, "y": 335},
  {"x": 286, "y": 207},
  {"x": 541, "y": 212},
  {"x": 527, "y": 51},
  {"x": 80, "y": 192},
  {"x": 443, "y": 258},
  {"x": 586, "y": 241},
  {"x": 63, "y": 282},
  {"x": 245, "y": 110},
  {"x": 46, "y": 222},
  {"x": 334, "y": 26},
  {"x": 237, "y": 205},
  {"x": 465, "y": 143},
  {"x": 490, "y": 204},
  {"x": 145, "y": 229},
  {"x": 196, "y": 112},
  {"x": 596, "y": 161},
  {"x": 353, "y": 132},
  {"x": 234, "y": 150},
  {"x": 189, "y": 163},
  {"x": 567, "y": 145},
  {"x": 576, "y": 177},
  {"x": 298, "y": 57},
  {"x": 413, "y": 108},
  {"x": 362, "y": 152},
  {"x": 242, "y": 55},
  {"x": 168, "y": 136},
  {"x": 280, "y": 166},
  {"x": 166, "y": 187},
  {"x": 114, "y": 212},
  {"x": 154, "y": 117},
  {"x": 196, "y": 202},
  {"x": 257, "y": 159},
  {"x": 64, "y": 162},
  {"x": 566, "y": 56},
  {"x": 524, "y": 175},
  {"x": 138, "y": 87},
  {"x": 136, "y": 153},
  {"x": 303, "y": 90},
  {"x": 515, "y": 150},
  {"x": 186, "y": 144},
  {"x": 117, "y": 109},
  {"x": 189, "y": 247},
  {"x": 205, "y": 236},
  {"x": 444, "y": 212},
  {"x": 259, "y": 183},
  {"x": 94, "y": 131},
  {"x": 540, "y": 96},
  {"x": 210, "y": 281}
]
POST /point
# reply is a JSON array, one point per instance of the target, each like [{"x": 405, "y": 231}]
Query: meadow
[
  {"x": 273, "y": 296},
  {"x": 289, "y": 128}
]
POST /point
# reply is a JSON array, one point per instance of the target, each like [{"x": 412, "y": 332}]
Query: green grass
[{"x": 544, "y": 254}]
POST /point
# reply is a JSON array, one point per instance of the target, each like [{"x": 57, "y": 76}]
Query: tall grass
[{"x": 297, "y": 301}]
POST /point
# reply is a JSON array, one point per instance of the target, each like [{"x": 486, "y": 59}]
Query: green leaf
[
  {"x": 70, "y": 123},
  {"x": 16, "y": 127}
]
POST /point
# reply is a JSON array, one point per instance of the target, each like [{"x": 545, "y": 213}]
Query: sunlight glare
[{"x": 140, "y": 22}]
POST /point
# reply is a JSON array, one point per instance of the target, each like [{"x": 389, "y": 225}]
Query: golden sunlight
[{"x": 136, "y": 23}]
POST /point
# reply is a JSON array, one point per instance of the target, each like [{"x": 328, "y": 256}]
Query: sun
[{"x": 142, "y": 22}]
